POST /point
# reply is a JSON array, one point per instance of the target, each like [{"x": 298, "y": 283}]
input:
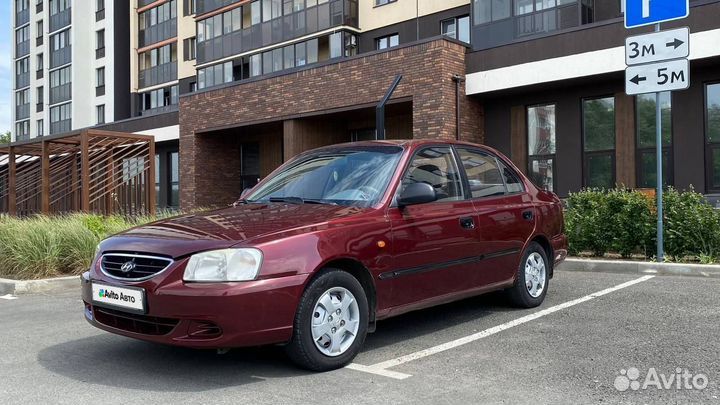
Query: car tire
[
  {"x": 311, "y": 353},
  {"x": 532, "y": 278}
]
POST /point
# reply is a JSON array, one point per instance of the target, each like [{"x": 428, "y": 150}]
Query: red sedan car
[{"x": 328, "y": 244}]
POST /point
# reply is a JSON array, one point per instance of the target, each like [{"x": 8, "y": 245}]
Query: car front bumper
[{"x": 202, "y": 315}]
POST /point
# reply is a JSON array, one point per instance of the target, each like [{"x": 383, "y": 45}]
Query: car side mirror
[{"x": 417, "y": 193}]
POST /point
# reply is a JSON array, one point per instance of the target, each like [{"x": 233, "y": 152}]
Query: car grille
[
  {"x": 147, "y": 325},
  {"x": 133, "y": 267}
]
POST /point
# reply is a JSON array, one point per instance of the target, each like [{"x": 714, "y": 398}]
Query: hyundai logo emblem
[{"x": 127, "y": 267}]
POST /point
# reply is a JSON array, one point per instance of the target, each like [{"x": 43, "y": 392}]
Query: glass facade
[
  {"x": 645, "y": 139},
  {"x": 541, "y": 145},
  {"x": 599, "y": 142},
  {"x": 712, "y": 136}
]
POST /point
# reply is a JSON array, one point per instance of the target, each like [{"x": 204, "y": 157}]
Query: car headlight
[{"x": 224, "y": 265}]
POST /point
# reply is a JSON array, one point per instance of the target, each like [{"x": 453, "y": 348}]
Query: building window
[
  {"x": 58, "y": 6},
  {"x": 541, "y": 145},
  {"x": 189, "y": 8},
  {"x": 60, "y": 40},
  {"x": 218, "y": 74},
  {"x": 22, "y": 97},
  {"x": 60, "y": 77},
  {"x": 40, "y": 95},
  {"x": 22, "y": 131},
  {"x": 189, "y": 48},
  {"x": 456, "y": 28},
  {"x": 99, "y": 5},
  {"x": 100, "y": 77},
  {"x": 159, "y": 98},
  {"x": 40, "y": 62},
  {"x": 39, "y": 29},
  {"x": 646, "y": 161},
  {"x": 100, "y": 39},
  {"x": 158, "y": 56},
  {"x": 174, "y": 200},
  {"x": 100, "y": 114},
  {"x": 387, "y": 41},
  {"x": 21, "y": 5},
  {"x": 599, "y": 142},
  {"x": 383, "y": 2},
  {"x": 40, "y": 128},
  {"x": 485, "y": 11},
  {"x": 712, "y": 131},
  {"x": 22, "y": 34}
]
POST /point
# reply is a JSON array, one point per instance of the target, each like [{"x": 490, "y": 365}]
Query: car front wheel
[
  {"x": 331, "y": 322},
  {"x": 531, "y": 280}
]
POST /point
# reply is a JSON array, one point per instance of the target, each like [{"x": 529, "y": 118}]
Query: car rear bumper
[
  {"x": 205, "y": 315},
  {"x": 560, "y": 249}
]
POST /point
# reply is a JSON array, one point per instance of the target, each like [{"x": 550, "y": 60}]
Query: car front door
[
  {"x": 505, "y": 213},
  {"x": 433, "y": 244}
]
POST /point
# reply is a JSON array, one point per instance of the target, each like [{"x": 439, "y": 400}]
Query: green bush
[
  {"x": 624, "y": 222},
  {"x": 41, "y": 246}
]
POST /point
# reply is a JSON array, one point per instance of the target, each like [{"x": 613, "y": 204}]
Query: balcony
[
  {"x": 60, "y": 20},
  {"x": 157, "y": 75},
  {"x": 22, "y": 111},
  {"x": 288, "y": 27},
  {"x": 22, "y": 49},
  {"x": 60, "y": 126},
  {"x": 60, "y": 93},
  {"x": 159, "y": 32},
  {"x": 22, "y": 17},
  {"x": 61, "y": 57},
  {"x": 22, "y": 80},
  {"x": 204, "y": 6}
]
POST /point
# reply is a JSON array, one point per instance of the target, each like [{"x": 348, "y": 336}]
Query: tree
[{"x": 5, "y": 138}]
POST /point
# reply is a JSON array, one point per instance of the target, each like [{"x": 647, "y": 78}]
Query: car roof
[{"x": 408, "y": 143}]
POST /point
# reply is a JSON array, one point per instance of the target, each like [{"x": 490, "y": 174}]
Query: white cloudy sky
[{"x": 5, "y": 65}]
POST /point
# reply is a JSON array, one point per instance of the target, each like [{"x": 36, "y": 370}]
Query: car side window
[
  {"x": 512, "y": 180},
  {"x": 482, "y": 172},
  {"x": 436, "y": 166}
]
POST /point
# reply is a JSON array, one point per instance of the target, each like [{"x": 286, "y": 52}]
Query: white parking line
[
  {"x": 8, "y": 297},
  {"x": 381, "y": 368}
]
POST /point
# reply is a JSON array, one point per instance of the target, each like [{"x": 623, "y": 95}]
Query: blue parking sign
[{"x": 646, "y": 12}]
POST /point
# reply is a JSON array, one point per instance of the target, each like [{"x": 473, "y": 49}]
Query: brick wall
[{"x": 427, "y": 69}]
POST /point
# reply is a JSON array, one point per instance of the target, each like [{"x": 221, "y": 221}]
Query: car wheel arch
[
  {"x": 361, "y": 273},
  {"x": 544, "y": 242}
]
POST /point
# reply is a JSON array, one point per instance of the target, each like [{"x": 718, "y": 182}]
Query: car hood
[{"x": 187, "y": 234}]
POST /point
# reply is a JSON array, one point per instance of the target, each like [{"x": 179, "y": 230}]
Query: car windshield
[{"x": 351, "y": 176}]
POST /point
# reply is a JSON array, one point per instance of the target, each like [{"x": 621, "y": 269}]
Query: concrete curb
[
  {"x": 633, "y": 267},
  {"x": 38, "y": 286}
]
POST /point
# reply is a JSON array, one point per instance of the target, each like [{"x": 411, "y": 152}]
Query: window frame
[
  {"x": 453, "y": 152},
  {"x": 456, "y": 22},
  {"x": 532, "y": 158},
  {"x": 511, "y": 14},
  {"x": 380, "y": 3},
  {"x": 586, "y": 155},
  {"x": 387, "y": 37},
  {"x": 641, "y": 151},
  {"x": 499, "y": 163},
  {"x": 710, "y": 147}
]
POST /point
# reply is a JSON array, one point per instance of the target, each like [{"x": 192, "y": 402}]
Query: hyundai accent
[{"x": 331, "y": 242}]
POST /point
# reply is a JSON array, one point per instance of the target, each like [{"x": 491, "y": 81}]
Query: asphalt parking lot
[{"x": 594, "y": 332}]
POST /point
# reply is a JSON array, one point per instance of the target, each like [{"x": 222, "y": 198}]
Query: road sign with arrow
[
  {"x": 657, "y": 46},
  {"x": 657, "y": 77}
]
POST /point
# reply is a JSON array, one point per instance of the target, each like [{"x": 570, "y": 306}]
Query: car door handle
[
  {"x": 467, "y": 223},
  {"x": 528, "y": 215}
]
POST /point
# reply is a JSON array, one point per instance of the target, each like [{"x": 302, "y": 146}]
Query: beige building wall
[
  {"x": 186, "y": 29},
  {"x": 133, "y": 47},
  {"x": 373, "y": 17}
]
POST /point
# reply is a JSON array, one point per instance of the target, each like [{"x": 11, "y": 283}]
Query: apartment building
[
  {"x": 232, "y": 88},
  {"x": 550, "y": 75},
  {"x": 70, "y": 65}
]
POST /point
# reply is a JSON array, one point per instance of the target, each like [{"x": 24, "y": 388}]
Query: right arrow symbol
[
  {"x": 637, "y": 79},
  {"x": 675, "y": 43}
]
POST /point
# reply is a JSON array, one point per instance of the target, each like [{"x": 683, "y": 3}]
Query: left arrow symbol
[
  {"x": 637, "y": 79},
  {"x": 675, "y": 43}
]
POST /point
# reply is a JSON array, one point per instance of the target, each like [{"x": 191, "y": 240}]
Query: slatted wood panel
[{"x": 92, "y": 171}]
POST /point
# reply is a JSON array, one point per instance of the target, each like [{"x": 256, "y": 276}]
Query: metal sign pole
[{"x": 659, "y": 171}]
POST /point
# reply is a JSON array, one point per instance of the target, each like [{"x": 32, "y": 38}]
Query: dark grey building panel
[{"x": 121, "y": 59}]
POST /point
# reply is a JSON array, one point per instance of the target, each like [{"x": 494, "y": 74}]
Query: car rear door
[
  {"x": 434, "y": 245},
  {"x": 505, "y": 213}
]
